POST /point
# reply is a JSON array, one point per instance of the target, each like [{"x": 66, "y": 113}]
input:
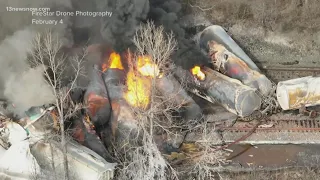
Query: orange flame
[
  {"x": 139, "y": 81},
  {"x": 114, "y": 62},
  {"x": 138, "y": 93},
  {"x": 146, "y": 67},
  {"x": 198, "y": 73},
  {"x": 88, "y": 122}
]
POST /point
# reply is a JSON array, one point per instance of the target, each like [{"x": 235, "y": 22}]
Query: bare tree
[
  {"x": 146, "y": 161},
  {"x": 47, "y": 54},
  {"x": 143, "y": 160},
  {"x": 155, "y": 42}
]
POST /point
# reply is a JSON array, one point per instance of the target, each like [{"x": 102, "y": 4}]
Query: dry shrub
[{"x": 205, "y": 160}]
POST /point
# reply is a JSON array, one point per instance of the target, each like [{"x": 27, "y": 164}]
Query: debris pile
[
  {"x": 28, "y": 151},
  {"x": 296, "y": 93},
  {"x": 229, "y": 59},
  {"x": 115, "y": 90}
]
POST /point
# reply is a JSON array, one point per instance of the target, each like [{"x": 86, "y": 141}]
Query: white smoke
[
  {"x": 22, "y": 86},
  {"x": 25, "y": 87},
  {"x": 13, "y": 51}
]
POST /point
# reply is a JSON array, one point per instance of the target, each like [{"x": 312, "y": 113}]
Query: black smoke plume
[
  {"x": 119, "y": 29},
  {"x": 116, "y": 30},
  {"x": 167, "y": 13}
]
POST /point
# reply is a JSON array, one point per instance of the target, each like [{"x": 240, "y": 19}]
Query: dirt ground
[
  {"x": 272, "y": 32},
  {"x": 293, "y": 174}
]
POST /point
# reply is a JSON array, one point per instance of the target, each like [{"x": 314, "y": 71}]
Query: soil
[{"x": 288, "y": 174}]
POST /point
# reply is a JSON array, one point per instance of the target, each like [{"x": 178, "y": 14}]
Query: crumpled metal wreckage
[
  {"x": 300, "y": 92},
  {"x": 17, "y": 162},
  {"x": 30, "y": 155},
  {"x": 122, "y": 124},
  {"x": 97, "y": 99},
  {"x": 218, "y": 34},
  {"x": 83, "y": 131},
  {"x": 234, "y": 87},
  {"x": 228, "y": 58},
  {"x": 229, "y": 64},
  {"x": 230, "y": 93},
  {"x": 83, "y": 163}
]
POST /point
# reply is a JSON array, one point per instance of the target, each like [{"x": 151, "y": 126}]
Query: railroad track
[
  {"x": 282, "y": 73},
  {"x": 270, "y": 127},
  {"x": 277, "y": 124},
  {"x": 281, "y": 125}
]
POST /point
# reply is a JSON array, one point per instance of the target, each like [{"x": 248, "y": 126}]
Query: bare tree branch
[
  {"x": 153, "y": 43},
  {"x": 47, "y": 55}
]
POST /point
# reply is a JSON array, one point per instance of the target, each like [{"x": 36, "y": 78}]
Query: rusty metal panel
[
  {"x": 231, "y": 65},
  {"x": 218, "y": 34},
  {"x": 96, "y": 99}
]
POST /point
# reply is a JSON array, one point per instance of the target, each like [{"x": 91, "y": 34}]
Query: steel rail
[
  {"x": 287, "y": 125},
  {"x": 313, "y": 69},
  {"x": 285, "y": 73}
]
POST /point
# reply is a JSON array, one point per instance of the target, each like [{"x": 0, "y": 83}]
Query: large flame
[
  {"x": 198, "y": 73},
  {"x": 139, "y": 82},
  {"x": 146, "y": 67},
  {"x": 138, "y": 92},
  {"x": 114, "y": 62}
]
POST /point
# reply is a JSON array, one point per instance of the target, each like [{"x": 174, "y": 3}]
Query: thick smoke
[
  {"x": 20, "y": 85},
  {"x": 23, "y": 86},
  {"x": 166, "y": 13},
  {"x": 116, "y": 31},
  {"x": 11, "y": 21},
  {"x": 119, "y": 29}
]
